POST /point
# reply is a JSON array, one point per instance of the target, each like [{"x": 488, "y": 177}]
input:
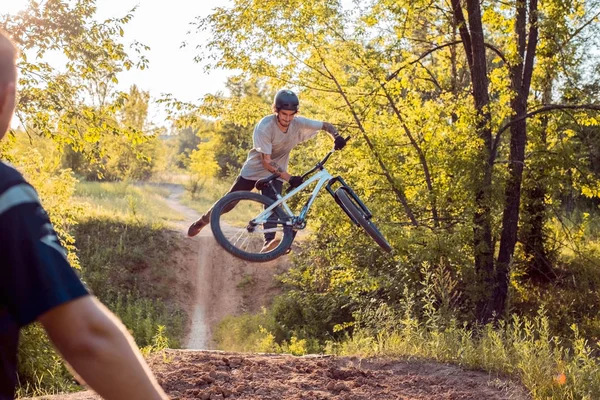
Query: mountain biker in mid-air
[{"x": 274, "y": 138}]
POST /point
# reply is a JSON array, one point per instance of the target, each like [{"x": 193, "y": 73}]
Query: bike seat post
[{"x": 277, "y": 194}]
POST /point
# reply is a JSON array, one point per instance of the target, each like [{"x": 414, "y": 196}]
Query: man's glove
[
  {"x": 295, "y": 181},
  {"x": 339, "y": 143}
]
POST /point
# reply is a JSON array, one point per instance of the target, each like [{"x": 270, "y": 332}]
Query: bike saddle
[{"x": 262, "y": 183}]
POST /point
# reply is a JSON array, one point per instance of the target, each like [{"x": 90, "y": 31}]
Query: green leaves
[
  {"x": 75, "y": 102},
  {"x": 426, "y": 156}
]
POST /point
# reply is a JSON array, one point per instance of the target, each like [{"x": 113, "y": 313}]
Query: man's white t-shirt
[{"x": 269, "y": 139}]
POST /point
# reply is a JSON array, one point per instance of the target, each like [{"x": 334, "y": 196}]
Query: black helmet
[{"x": 286, "y": 100}]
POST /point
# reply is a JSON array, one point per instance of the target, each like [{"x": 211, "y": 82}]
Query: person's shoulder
[
  {"x": 7, "y": 171},
  {"x": 14, "y": 189},
  {"x": 266, "y": 124},
  {"x": 304, "y": 122},
  {"x": 266, "y": 121},
  {"x": 9, "y": 177}
]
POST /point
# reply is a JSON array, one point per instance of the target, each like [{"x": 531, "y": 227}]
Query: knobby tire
[{"x": 224, "y": 241}]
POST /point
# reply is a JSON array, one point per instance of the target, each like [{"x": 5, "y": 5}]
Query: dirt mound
[
  {"x": 223, "y": 284},
  {"x": 219, "y": 375},
  {"x": 228, "y": 286},
  {"x": 203, "y": 375}
]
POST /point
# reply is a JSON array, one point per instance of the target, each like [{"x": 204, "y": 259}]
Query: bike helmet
[{"x": 286, "y": 100}]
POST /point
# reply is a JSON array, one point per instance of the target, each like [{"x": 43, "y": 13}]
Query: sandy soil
[{"x": 226, "y": 286}]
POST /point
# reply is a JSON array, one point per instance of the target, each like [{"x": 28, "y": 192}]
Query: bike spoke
[
  {"x": 244, "y": 240},
  {"x": 238, "y": 236}
]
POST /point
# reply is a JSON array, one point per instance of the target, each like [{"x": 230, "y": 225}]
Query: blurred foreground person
[{"x": 38, "y": 284}]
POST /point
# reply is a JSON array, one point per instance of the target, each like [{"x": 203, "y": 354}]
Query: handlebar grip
[{"x": 345, "y": 139}]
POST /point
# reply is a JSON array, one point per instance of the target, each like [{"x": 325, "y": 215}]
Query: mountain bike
[{"x": 240, "y": 219}]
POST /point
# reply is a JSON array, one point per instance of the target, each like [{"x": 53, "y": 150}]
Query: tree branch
[
  {"x": 399, "y": 192},
  {"x": 579, "y": 30},
  {"x": 413, "y": 141},
  {"x": 532, "y": 42},
  {"x": 463, "y": 29},
  {"x": 428, "y": 52},
  {"x": 546, "y": 108}
]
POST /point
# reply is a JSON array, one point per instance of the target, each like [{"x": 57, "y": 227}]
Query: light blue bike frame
[{"x": 322, "y": 176}]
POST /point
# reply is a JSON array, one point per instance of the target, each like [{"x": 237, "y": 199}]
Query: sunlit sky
[{"x": 162, "y": 26}]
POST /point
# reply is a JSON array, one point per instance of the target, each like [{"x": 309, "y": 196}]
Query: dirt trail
[
  {"x": 225, "y": 285},
  {"x": 228, "y": 286}
]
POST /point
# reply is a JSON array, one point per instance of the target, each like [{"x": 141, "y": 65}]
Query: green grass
[
  {"x": 250, "y": 333},
  {"x": 202, "y": 193},
  {"x": 41, "y": 370},
  {"x": 521, "y": 348},
  {"x": 144, "y": 203}
]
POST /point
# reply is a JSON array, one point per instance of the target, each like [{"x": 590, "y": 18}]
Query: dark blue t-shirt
[{"x": 35, "y": 275}]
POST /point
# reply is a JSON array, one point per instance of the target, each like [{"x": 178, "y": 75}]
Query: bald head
[{"x": 8, "y": 81}]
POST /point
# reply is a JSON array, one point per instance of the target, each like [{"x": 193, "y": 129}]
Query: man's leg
[
  {"x": 240, "y": 184},
  {"x": 270, "y": 244}
]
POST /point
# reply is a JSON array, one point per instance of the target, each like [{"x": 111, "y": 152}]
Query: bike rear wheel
[
  {"x": 359, "y": 216},
  {"x": 232, "y": 225}
]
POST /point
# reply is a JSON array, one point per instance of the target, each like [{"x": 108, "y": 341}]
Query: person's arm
[
  {"x": 338, "y": 140},
  {"x": 273, "y": 167},
  {"x": 99, "y": 348},
  {"x": 329, "y": 128}
]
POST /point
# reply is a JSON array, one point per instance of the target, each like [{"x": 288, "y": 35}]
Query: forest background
[{"x": 475, "y": 142}]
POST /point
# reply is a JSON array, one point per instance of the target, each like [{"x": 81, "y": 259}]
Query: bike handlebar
[{"x": 321, "y": 163}]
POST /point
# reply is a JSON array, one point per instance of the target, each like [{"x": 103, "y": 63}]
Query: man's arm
[
  {"x": 99, "y": 348},
  {"x": 329, "y": 128},
  {"x": 339, "y": 141},
  {"x": 273, "y": 167}
]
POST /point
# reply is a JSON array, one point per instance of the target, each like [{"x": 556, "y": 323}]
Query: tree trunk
[
  {"x": 539, "y": 265},
  {"x": 473, "y": 42},
  {"x": 510, "y": 217},
  {"x": 521, "y": 74}
]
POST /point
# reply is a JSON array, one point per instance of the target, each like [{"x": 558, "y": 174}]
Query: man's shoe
[
  {"x": 270, "y": 245},
  {"x": 196, "y": 227}
]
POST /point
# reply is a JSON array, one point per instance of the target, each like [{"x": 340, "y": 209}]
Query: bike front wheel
[
  {"x": 239, "y": 227},
  {"x": 357, "y": 213}
]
